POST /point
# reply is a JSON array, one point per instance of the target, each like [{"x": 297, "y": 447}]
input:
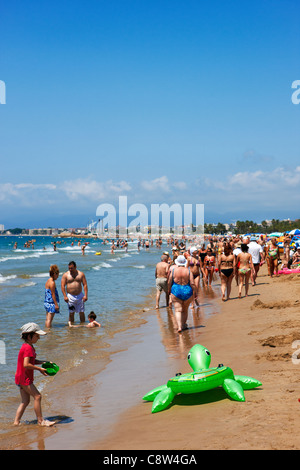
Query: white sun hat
[
  {"x": 181, "y": 260},
  {"x": 32, "y": 328}
]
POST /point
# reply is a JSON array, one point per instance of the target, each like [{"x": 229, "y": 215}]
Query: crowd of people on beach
[
  {"x": 235, "y": 257},
  {"x": 178, "y": 275}
]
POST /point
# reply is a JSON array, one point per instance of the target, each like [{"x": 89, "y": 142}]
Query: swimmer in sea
[{"x": 91, "y": 324}]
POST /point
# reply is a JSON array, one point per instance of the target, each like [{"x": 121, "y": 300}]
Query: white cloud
[
  {"x": 25, "y": 194},
  {"x": 81, "y": 189},
  {"x": 278, "y": 188},
  {"x": 180, "y": 185},
  {"x": 163, "y": 184},
  {"x": 93, "y": 190},
  {"x": 35, "y": 186},
  {"x": 277, "y": 179},
  {"x": 269, "y": 193}
]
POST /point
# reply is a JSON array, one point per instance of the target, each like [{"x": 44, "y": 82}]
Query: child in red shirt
[{"x": 24, "y": 375}]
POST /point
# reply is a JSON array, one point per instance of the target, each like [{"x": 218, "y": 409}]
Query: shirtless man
[
  {"x": 161, "y": 275},
  {"x": 71, "y": 286}
]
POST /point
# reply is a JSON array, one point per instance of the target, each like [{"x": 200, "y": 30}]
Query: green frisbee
[{"x": 50, "y": 367}]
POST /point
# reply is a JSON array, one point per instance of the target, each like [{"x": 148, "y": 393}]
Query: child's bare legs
[
  {"x": 26, "y": 392},
  {"x": 25, "y": 397}
]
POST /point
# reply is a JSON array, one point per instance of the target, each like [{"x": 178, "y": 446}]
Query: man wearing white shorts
[
  {"x": 75, "y": 303},
  {"x": 71, "y": 285}
]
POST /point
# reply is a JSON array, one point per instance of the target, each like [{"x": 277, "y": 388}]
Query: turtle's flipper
[
  {"x": 162, "y": 400},
  {"x": 234, "y": 390},
  {"x": 247, "y": 382},
  {"x": 150, "y": 396}
]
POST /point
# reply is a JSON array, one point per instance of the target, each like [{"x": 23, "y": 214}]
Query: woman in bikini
[
  {"x": 286, "y": 243},
  {"x": 202, "y": 254},
  {"x": 244, "y": 270},
  {"x": 226, "y": 267},
  {"x": 273, "y": 257},
  {"x": 181, "y": 287},
  {"x": 195, "y": 265},
  {"x": 209, "y": 265}
]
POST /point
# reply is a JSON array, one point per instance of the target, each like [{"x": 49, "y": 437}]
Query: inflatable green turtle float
[{"x": 203, "y": 378}]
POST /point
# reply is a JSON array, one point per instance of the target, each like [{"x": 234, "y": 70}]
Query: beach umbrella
[
  {"x": 296, "y": 231},
  {"x": 276, "y": 234}
]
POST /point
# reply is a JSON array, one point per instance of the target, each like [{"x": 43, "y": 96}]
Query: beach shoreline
[
  {"x": 255, "y": 336},
  {"x": 97, "y": 398}
]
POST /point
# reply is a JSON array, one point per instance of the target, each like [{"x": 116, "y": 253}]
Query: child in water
[{"x": 92, "y": 322}]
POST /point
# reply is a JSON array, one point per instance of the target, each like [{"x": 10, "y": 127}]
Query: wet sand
[{"x": 255, "y": 336}]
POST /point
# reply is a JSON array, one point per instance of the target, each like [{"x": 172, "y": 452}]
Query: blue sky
[{"x": 162, "y": 101}]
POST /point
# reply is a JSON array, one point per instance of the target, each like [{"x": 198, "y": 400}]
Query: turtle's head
[{"x": 199, "y": 357}]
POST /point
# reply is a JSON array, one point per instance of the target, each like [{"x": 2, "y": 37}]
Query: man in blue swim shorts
[{"x": 72, "y": 283}]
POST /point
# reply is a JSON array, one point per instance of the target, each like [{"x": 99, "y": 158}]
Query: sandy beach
[{"x": 255, "y": 336}]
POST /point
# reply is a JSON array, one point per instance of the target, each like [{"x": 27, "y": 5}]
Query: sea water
[{"x": 116, "y": 283}]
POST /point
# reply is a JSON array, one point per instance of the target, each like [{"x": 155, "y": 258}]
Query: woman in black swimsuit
[
  {"x": 202, "y": 254},
  {"x": 226, "y": 267}
]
